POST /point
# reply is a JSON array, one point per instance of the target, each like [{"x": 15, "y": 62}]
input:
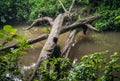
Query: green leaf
[
  {"x": 9, "y": 38},
  {"x": 1, "y": 35},
  {"x": 9, "y": 29}
]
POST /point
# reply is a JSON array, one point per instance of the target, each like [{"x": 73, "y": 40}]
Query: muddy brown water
[{"x": 85, "y": 44}]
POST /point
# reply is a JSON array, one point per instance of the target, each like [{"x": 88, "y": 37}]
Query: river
[{"x": 85, "y": 44}]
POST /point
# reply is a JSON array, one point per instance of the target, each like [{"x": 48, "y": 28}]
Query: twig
[
  {"x": 71, "y": 5},
  {"x": 63, "y": 6}
]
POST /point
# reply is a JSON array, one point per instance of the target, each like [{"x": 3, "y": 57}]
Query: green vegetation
[
  {"x": 110, "y": 11},
  {"x": 32, "y": 9},
  {"x": 93, "y": 67},
  {"x": 9, "y": 58},
  {"x": 13, "y": 10}
]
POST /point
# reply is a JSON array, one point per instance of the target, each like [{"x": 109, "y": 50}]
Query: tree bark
[{"x": 49, "y": 43}]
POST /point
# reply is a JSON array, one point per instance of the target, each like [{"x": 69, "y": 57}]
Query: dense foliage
[
  {"x": 9, "y": 68},
  {"x": 32, "y": 9},
  {"x": 100, "y": 66},
  {"x": 13, "y": 9},
  {"x": 110, "y": 11}
]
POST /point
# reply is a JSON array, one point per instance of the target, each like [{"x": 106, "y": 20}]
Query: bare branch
[
  {"x": 91, "y": 27},
  {"x": 73, "y": 1},
  {"x": 63, "y": 6},
  {"x": 49, "y": 19}
]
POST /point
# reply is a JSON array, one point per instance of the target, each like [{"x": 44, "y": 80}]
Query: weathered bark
[
  {"x": 70, "y": 42},
  {"x": 49, "y": 43},
  {"x": 49, "y": 19},
  {"x": 63, "y": 30}
]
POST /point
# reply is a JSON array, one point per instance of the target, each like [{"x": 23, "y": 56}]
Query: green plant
[
  {"x": 96, "y": 67},
  {"x": 9, "y": 58},
  {"x": 108, "y": 21},
  {"x": 54, "y": 69},
  {"x": 99, "y": 66},
  {"x": 13, "y": 9}
]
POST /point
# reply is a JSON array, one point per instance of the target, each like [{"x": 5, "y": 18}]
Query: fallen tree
[
  {"x": 78, "y": 24},
  {"x": 57, "y": 29},
  {"x": 50, "y": 44}
]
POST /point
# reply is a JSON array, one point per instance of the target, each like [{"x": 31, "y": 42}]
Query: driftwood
[
  {"x": 70, "y": 42},
  {"x": 50, "y": 44},
  {"x": 73, "y": 26},
  {"x": 49, "y": 19}
]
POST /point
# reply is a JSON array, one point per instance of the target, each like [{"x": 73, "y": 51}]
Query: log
[
  {"x": 80, "y": 23},
  {"x": 30, "y": 41},
  {"x": 50, "y": 44},
  {"x": 63, "y": 30},
  {"x": 49, "y": 19},
  {"x": 69, "y": 44}
]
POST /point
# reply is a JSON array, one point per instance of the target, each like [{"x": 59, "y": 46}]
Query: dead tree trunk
[
  {"x": 49, "y": 43},
  {"x": 70, "y": 42}
]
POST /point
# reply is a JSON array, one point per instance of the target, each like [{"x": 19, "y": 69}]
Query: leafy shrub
[
  {"x": 109, "y": 20},
  {"x": 99, "y": 66},
  {"x": 96, "y": 67},
  {"x": 40, "y": 8},
  {"x": 9, "y": 58},
  {"x": 13, "y": 9}
]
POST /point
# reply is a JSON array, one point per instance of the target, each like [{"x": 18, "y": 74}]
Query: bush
[
  {"x": 13, "y": 9},
  {"x": 9, "y": 68},
  {"x": 109, "y": 11},
  {"x": 109, "y": 20},
  {"x": 99, "y": 66}
]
